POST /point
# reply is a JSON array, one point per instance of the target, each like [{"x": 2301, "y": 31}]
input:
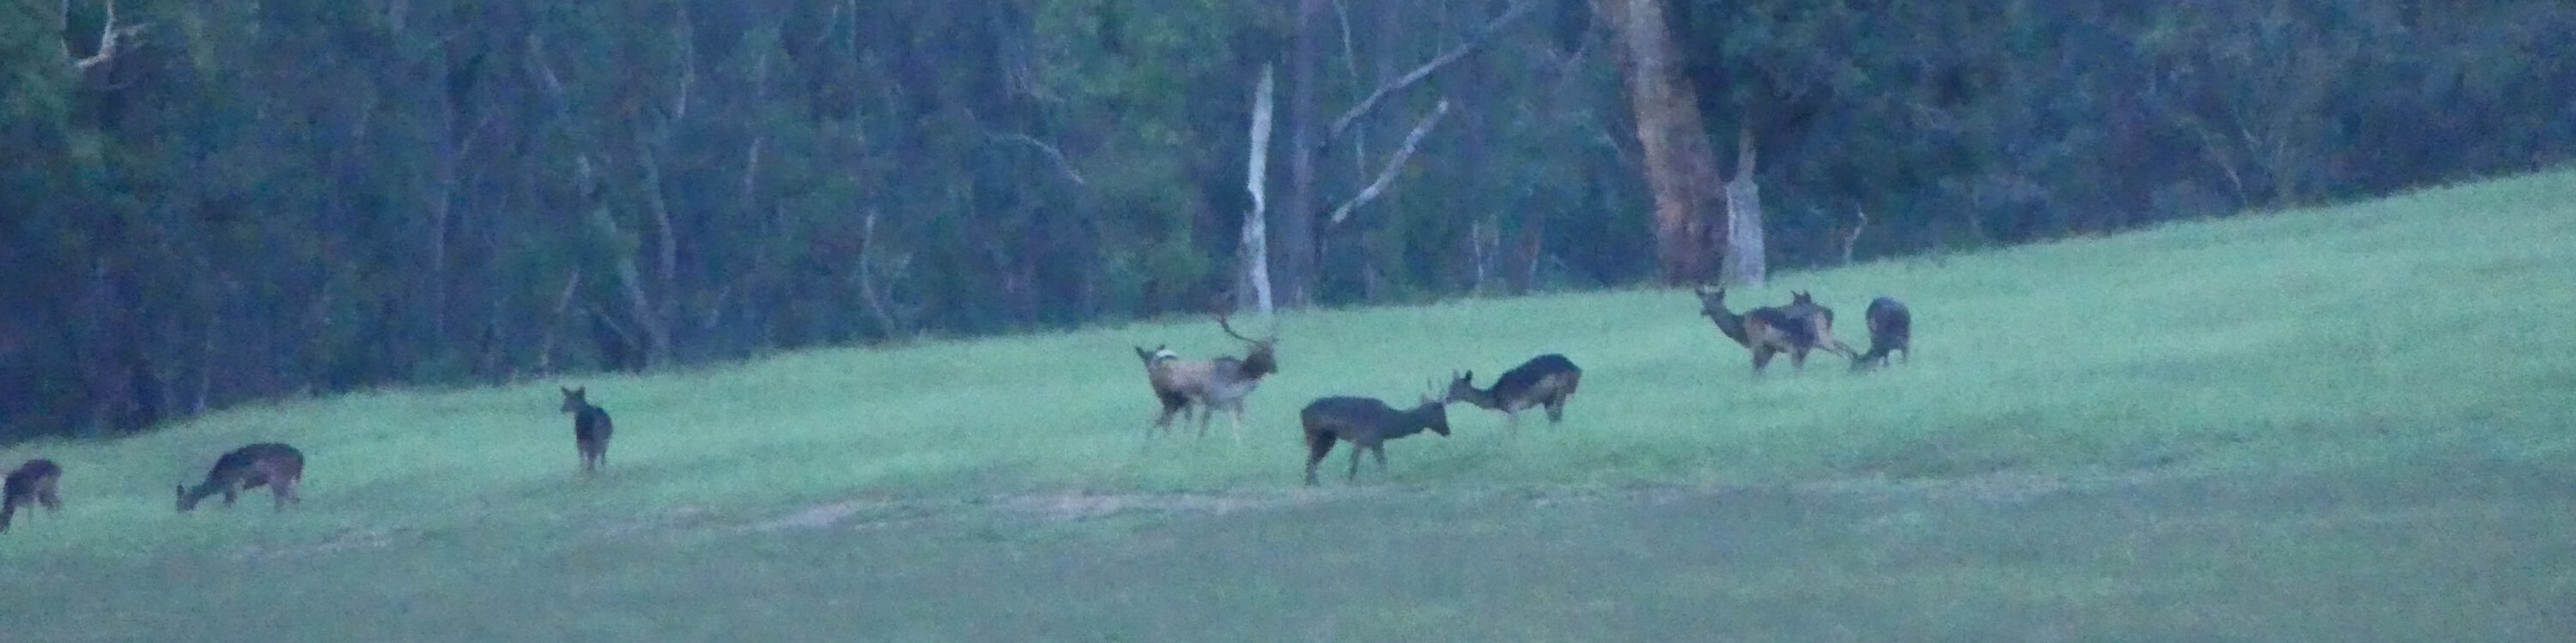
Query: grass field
[{"x": 2341, "y": 424}]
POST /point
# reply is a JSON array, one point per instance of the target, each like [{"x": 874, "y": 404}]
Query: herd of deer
[{"x": 1546, "y": 381}]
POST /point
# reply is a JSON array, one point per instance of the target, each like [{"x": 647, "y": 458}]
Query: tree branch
[
  {"x": 1061, "y": 163},
  {"x": 1393, "y": 163},
  {"x": 1482, "y": 34},
  {"x": 1853, "y": 240},
  {"x": 107, "y": 37}
]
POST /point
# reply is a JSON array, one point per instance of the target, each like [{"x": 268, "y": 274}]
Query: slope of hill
[{"x": 2409, "y": 349}]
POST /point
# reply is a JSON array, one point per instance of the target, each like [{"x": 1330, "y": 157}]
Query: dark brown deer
[
  {"x": 1212, "y": 385},
  {"x": 32, "y": 483},
  {"x": 1891, "y": 329},
  {"x": 1367, "y": 424},
  {"x": 1765, "y": 331},
  {"x": 1543, "y": 381},
  {"x": 278, "y": 466},
  {"x": 590, "y": 428}
]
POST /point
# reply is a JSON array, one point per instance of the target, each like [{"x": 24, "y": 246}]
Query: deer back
[{"x": 1889, "y": 320}]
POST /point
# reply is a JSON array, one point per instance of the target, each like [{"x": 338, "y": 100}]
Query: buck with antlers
[{"x": 1213, "y": 384}]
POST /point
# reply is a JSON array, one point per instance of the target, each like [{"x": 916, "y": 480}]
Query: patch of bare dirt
[
  {"x": 822, "y": 515},
  {"x": 1085, "y": 506},
  {"x": 352, "y": 539},
  {"x": 683, "y": 516}
]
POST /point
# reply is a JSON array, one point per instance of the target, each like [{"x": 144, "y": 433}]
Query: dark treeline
[{"x": 231, "y": 200}]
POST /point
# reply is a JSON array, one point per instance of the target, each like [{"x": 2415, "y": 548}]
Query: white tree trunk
[
  {"x": 1744, "y": 249},
  {"x": 1256, "y": 239}
]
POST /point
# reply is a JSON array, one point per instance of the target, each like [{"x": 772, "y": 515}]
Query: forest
[{"x": 212, "y": 202}]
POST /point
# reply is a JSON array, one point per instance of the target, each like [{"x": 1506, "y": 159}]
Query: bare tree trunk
[
  {"x": 1297, "y": 219},
  {"x": 1743, "y": 232},
  {"x": 1256, "y": 240},
  {"x": 1680, "y": 169}
]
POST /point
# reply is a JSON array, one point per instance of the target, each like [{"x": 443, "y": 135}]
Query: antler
[{"x": 1222, "y": 324}]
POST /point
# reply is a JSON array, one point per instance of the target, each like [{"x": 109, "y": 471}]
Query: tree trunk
[
  {"x": 1680, "y": 170},
  {"x": 1743, "y": 231},
  {"x": 1296, "y": 259},
  {"x": 1255, "y": 292}
]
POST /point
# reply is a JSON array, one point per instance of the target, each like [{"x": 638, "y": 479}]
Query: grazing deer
[
  {"x": 1765, "y": 331},
  {"x": 1546, "y": 380},
  {"x": 266, "y": 463},
  {"x": 1215, "y": 384},
  {"x": 34, "y": 483},
  {"x": 1891, "y": 329},
  {"x": 590, "y": 428},
  {"x": 1367, "y": 424}
]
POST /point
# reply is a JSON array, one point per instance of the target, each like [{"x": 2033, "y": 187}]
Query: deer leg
[
  {"x": 1238, "y": 421},
  {"x": 1380, "y": 450},
  {"x": 1318, "y": 445},
  {"x": 231, "y": 492},
  {"x": 1555, "y": 410},
  {"x": 1356, "y": 449},
  {"x": 282, "y": 492},
  {"x": 1761, "y": 358},
  {"x": 51, "y": 497},
  {"x": 1798, "y": 359}
]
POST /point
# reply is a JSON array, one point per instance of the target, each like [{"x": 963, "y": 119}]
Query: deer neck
[{"x": 1484, "y": 398}]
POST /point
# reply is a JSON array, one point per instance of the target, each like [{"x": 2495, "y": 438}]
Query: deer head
[
  {"x": 1161, "y": 352},
  {"x": 1259, "y": 359},
  {"x": 1712, "y": 303},
  {"x": 575, "y": 399},
  {"x": 1434, "y": 410}
]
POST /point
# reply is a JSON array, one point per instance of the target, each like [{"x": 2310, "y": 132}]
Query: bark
[
  {"x": 1680, "y": 169},
  {"x": 1296, "y": 259}
]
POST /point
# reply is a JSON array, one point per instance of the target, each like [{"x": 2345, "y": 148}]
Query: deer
[
  {"x": 34, "y": 482},
  {"x": 276, "y": 465},
  {"x": 1543, "y": 381},
  {"x": 1891, "y": 329},
  {"x": 590, "y": 429},
  {"x": 1803, "y": 306},
  {"x": 1765, "y": 331},
  {"x": 1367, "y": 424},
  {"x": 1213, "y": 384}
]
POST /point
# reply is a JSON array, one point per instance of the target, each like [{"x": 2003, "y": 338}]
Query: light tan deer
[{"x": 1212, "y": 385}]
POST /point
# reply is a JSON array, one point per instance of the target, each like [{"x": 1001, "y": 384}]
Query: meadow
[{"x": 2344, "y": 423}]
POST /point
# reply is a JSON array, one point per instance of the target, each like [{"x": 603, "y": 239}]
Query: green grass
[{"x": 2349, "y": 423}]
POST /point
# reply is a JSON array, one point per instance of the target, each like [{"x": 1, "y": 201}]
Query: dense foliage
[{"x": 246, "y": 200}]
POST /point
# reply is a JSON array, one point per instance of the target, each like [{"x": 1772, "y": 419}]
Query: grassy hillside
[{"x": 2411, "y": 348}]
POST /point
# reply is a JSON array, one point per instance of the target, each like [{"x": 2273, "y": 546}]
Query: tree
[{"x": 1679, "y": 169}]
